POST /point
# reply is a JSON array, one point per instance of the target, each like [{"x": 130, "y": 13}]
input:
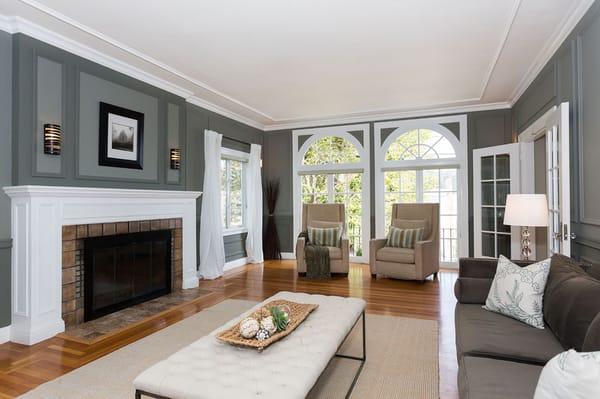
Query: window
[
  {"x": 422, "y": 161},
  {"x": 331, "y": 165},
  {"x": 233, "y": 195},
  {"x": 331, "y": 150},
  {"x": 420, "y": 144}
]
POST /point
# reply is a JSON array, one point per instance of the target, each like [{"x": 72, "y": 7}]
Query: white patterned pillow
[
  {"x": 571, "y": 375},
  {"x": 518, "y": 292}
]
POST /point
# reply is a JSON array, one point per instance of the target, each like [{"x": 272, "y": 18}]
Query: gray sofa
[{"x": 500, "y": 357}]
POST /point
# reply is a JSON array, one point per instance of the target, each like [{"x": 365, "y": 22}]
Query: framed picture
[{"x": 121, "y": 137}]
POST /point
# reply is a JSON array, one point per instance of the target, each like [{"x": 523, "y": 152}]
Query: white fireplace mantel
[{"x": 38, "y": 214}]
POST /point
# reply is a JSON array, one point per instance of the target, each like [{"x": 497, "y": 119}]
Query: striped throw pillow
[
  {"x": 324, "y": 236},
  {"x": 403, "y": 238}
]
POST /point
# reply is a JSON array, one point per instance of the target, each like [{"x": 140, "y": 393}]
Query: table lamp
[{"x": 526, "y": 210}]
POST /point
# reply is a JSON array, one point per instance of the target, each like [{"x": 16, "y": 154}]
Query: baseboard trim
[
  {"x": 4, "y": 334},
  {"x": 288, "y": 256},
  {"x": 235, "y": 263}
]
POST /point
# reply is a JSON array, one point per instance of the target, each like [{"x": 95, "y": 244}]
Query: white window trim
[
  {"x": 460, "y": 162},
  {"x": 363, "y": 166},
  {"x": 235, "y": 155}
]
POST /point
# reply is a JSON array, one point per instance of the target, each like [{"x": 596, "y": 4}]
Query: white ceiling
[{"x": 275, "y": 63}]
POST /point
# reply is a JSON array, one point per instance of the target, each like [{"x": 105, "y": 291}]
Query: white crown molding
[
  {"x": 566, "y": 27},
  {"x": 7, "y": 24},
  {"x": 113, "y": 42},
  {"x": 225, "y": 112},
  {"x": 381, "y": 116},
  {"x": 20, "y": 25},
  {"x": 16, "y": 24},
  {"x": 505, "y": 34}
]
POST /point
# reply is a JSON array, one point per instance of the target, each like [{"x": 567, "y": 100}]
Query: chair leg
[{"x": 435, "y": 275}]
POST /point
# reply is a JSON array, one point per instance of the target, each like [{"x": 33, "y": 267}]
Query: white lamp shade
[{"x": 526, "y": 210}]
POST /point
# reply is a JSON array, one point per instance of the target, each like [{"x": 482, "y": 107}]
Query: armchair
[
  {"x": 325, "y": 215},
  {"x": 406, "y": 263}
]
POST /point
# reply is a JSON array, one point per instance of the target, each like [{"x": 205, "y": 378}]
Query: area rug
[{"x": 402, "y": 360}]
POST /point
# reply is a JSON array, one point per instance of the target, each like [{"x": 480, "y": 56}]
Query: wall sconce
[
  {"x": 175, "y": 158},
  {"x": 52, "y": 139}
]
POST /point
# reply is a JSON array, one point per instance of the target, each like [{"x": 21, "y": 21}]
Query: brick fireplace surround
[{"x": 73, "y": 237}]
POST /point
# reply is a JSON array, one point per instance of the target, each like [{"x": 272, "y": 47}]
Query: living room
[{"x": 385, "y": 199}]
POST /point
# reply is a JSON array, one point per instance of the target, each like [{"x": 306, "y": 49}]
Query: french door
[
  {"x": 430, "y": 185},
  {"x": 557, "y": 178},
  {"x": 511, "y": 168},
  {"x": 496, "y": 173},
  {"x": 340, "y": 188}
]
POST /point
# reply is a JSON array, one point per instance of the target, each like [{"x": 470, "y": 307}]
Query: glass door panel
[
  {"x": 495, "y": 175},
  {"x": 427, "y": 186},
  {"x": 400, "y": 187},
  {"x": 347, "y": 191},
  {"x": 495, "y": 184},
  {"x": 340, "y": 188}
]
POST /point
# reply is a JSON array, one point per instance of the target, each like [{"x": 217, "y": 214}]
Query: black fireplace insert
[{"x": 124, "y": 270}]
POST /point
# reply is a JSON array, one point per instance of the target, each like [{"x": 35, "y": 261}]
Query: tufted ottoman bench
[{"x": 209, "y": 369}]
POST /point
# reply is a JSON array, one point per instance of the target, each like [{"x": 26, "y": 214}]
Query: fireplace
[
  {"x": 124, "y": 270},
  {"x": 47, "y": 278}
]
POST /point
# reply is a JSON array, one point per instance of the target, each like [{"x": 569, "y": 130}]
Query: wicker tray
[{"x": 298, "y": 313}]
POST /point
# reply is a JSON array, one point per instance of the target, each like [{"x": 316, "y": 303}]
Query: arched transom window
[
  {"x": 420, "y": 144},
  {"x": 331, "y": 150}
]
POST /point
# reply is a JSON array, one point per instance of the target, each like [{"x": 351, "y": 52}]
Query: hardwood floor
[{"x": 22, "y": 368}]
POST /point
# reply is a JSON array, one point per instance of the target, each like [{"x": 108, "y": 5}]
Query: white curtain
[
  {"x": 210, "y": 242},
  {"x": 254, "y": 206}
]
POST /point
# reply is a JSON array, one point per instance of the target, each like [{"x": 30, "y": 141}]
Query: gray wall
[
  {"x": 5, "y": 173},
  {"x": 572, "y": 75},
  {"x": 486, "y": 128},
  {"x": 51, "y": 85}
]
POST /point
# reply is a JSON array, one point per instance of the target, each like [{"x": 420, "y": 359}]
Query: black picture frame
[{"x": 104, "y": 158}]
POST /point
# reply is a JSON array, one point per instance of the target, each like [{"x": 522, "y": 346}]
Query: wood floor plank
[{"x": 22, "y": 368}]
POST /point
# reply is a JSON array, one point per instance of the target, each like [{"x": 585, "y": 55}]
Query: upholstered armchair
[
  {"x": 404, "y": 263},
  {"x": 323, "y": 216}
]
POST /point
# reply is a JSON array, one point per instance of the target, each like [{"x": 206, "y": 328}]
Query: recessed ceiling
[{"x": 282, "y": 62}]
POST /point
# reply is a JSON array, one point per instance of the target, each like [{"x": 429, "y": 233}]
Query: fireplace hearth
[{"x": 124, "y": 270}]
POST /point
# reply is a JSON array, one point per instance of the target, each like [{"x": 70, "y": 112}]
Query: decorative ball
[
  {"x": 249, "y": 327},
  {"x": 262, "y": 334},
  {"x": 268, "y": 324}
]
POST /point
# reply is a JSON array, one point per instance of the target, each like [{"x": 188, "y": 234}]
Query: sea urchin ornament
[{"x": 262, "y": 334}]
